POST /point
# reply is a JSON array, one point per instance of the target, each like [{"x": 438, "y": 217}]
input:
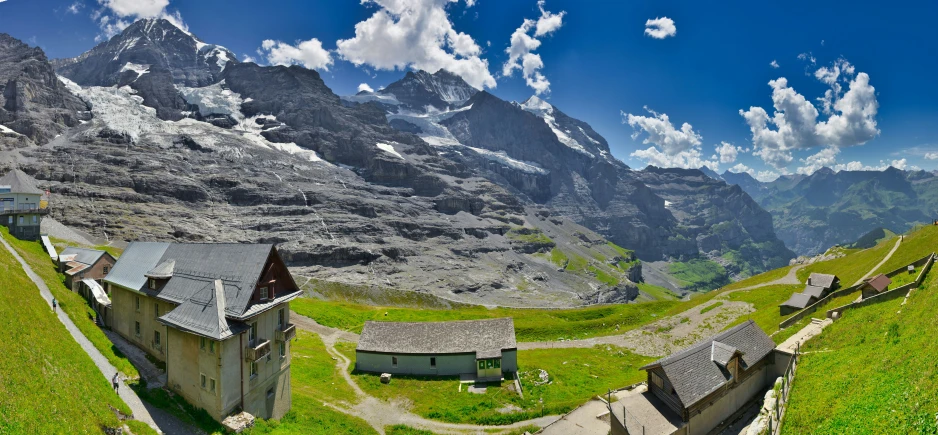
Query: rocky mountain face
[
  {"x": 826, "y": 208},
  {"x": 719, "y": 220},
  {"x": 34, "y": 105},
  {"x": 270, "y": 154},
  {"x": 427, "y": 185}
]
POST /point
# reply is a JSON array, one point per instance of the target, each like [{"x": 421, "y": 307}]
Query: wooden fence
[
  {"x": 891, "y": 294},
  {"x": 775, "y": 419}
]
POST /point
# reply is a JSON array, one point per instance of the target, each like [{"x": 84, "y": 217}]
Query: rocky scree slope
[{"x": 347, "y": 197}]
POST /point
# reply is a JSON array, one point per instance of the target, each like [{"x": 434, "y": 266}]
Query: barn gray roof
[
  {"x": 20, "y": 182},
  {"x": 163, "y": 270},
  {"x": 693, "y": 372},
  {"x": 487, "y": 338},
  {"x": 814, "y": 291},
  {"x": 797, "y": 300},
  {"x": 82, "y": 255},
  {"x": 195, "y": 267},
  {"x": 822, "y": 280},
  {"x": 721, "y": 353}
]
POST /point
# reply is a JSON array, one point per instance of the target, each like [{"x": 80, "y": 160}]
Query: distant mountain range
[
  {"x": 814, "y": 212},
  {"x": 427, "y": 184}
]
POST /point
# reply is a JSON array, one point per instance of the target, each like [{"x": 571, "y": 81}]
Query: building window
[
  {"x": 283, "y": 349},
  {"x": 107, "y": 269},
  {"x": 10, "y": 221},
  {"x": 211, "y": 346},
  {"x": 253, "y": 369},
  {"x": 433, "y": 362},
  {"x": 211, "y": 385},
  {"x": 156, "y": 338},
  {"x": 202, "y": 343},
  {"x": 280, "y": 318},
  {"x": 156, "y": 310},
  {"x": 137, "y": 329},
  {"x": 21, "y": 220},
  {"x": 35, "y": 219},
  {"x": 393, "y": 361},
  {"x": 252, "y": 333},
  {"x": 265, "y": 293},
  {"x": 270, "y": 393},
  {"x": 137, "y": 303},
  {"x": 481, "y": 364},
  {"x": 655, "y": 379},
  {"x": 202, "y": 380},
  {"x": 497, "y": 363},
  {"x": 151, "y": 283}
]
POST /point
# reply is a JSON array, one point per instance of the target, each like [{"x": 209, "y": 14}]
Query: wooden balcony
[
  {"x": 260, "y": 349},
  {"x": 286, "y": 333}
]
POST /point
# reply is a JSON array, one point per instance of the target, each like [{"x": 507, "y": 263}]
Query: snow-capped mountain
[
  {"x": 571, "y": 132},
  {"x": 152, "y": 57},
  {"x": 441, "y": 90}
]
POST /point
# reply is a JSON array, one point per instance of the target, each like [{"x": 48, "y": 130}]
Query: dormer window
[
  {"x": 151, "y": 283},
  {"x": 265, "y": 292}
]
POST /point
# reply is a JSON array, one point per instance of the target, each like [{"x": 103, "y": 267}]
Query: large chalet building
[{"x": 218, "y": 315}]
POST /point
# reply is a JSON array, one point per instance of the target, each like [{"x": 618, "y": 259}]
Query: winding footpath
[
  {"x": 881, "y": 263},
  {"x": 158, "y": 419},
  {"x": 379, "y": 413}
]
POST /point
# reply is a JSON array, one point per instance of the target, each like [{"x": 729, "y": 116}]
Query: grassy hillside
[
  {"x": 917, "y": 244},
  {"x": 72, "y": 303},
  {"x": 872, "y": 372},
  {"x": 48, "y": 384},
  {"x": 853, "y": 266},
  {"x": 530, "y": 325}
]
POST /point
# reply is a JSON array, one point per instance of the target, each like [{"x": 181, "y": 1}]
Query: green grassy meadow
[
  {"x": 872, "y": 372},
  {"x": 48, "y": 384},
  {"x": 72, "y": 303}
]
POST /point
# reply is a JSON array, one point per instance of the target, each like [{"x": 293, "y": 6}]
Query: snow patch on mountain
[
  {"x": 136, "y": 67},
  {"x": 503, "y": 158},
  {"x": 6, "y": 130},
  {"x": 214, "y": 99},
  {"x": 388, "y": 148},
  {"x": 545, "y": 111},
  {"x": 432, "y": 132},
  {"x": 70, "y": 85},
  {"x": 588, "y": 137}
]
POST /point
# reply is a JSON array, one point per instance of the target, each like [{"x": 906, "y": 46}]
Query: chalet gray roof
[
  {"x": 163, "y": 270},
  {"x": 879, "y": 282},
  {"x": 483, "y": 337},
  {"x": 82, "y": 255},
  {"x": 814, "y": 291},
  {"x": 20, "y": 182},
  {"x": 721, "y": 353},
  {"x": 196, "y": 266},
  {"x": 822, "y": 280},
  {"x": 692, "y": 371},
  {"x": 203, "y": 314},
  {"x": 798, "y": 300}
]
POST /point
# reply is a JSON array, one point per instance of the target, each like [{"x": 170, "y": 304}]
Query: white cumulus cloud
[
  {"x": 115, "y": 15},
  {"x": 136, "y": 8},
  {"x": 660, "y": 28},
  {"x": 851, "y": 116},
  {"x": 74, "y": 8},
  {"x": 365, "y": 88},
  {"x": 739, "y": 168},
  {"x": 416, "y": 34},
  {"x": 671, "y": 147},
  {"x": 728, "y": 152},
  {"x": 825, "y": 158},
  {"x": 931, "y": 156},
  {"x": 773, "y": 64},
  {"x": 766, "y": 176},
  {"x": 309, "y": 53},
  {"x": 522, "y": 45}
]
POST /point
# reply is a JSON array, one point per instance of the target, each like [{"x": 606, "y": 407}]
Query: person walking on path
[
  {"x": 54, "y": 304},
  {"x": 116, "y": 381}
]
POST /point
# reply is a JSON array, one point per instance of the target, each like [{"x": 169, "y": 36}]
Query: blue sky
[{"x": 601, "y": 66}]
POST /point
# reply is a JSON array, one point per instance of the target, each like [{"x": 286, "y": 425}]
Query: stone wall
[{"x": 896, "y": 293}]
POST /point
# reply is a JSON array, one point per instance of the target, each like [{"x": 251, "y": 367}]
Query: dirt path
[
  {"x": 791, "y": 278},
  {"x": 881, "y": 263},
  {"x": 811, "y": 330},
  {"x": 153, "y": 417},
  {"x": 379, "y": 413}
]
